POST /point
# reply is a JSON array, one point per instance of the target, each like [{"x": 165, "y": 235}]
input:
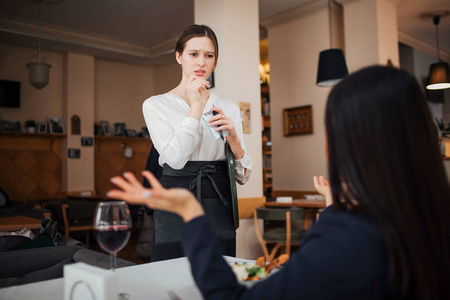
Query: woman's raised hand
[
  {"x": 176, "y": 200},
  {"x": 323, "y": 187},
  {"x": 196, "y": 89}
]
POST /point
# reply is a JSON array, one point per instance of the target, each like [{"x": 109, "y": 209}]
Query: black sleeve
[{"x": 342, "y": 257}]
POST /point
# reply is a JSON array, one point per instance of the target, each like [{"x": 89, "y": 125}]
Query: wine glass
[{"x": 112, "y": 225}]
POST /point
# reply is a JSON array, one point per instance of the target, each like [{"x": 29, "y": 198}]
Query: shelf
[
  {"x": 112, "y": 137},
  {"x": 26, "y": 134}
]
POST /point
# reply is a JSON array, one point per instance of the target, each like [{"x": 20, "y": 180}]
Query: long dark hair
[
  {"x": 197, "y": 31},
  {"x": 384, "y": 161}
]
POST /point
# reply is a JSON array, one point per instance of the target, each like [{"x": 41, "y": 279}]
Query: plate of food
[{"x": 248, "y": 274}]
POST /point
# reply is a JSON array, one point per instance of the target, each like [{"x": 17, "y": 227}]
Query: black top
[{"x": 342, "y": 256}]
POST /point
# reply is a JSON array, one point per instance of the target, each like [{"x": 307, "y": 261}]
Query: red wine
[{"x": 113, "y": 238}]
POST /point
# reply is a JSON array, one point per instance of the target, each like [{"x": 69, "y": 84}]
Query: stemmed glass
[{"x": 112, "y": 225}]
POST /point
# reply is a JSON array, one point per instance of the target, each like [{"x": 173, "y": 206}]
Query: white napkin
[{"x": 284, "y": 199}]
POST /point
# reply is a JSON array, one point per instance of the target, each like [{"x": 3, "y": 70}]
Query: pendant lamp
[
  {"x": 38, "y": 71},
  {"x": 439, "y": 77},
  {"x": 332, "y": 66}
]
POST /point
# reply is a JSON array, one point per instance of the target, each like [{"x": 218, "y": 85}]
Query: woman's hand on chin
[
  {"x": 176, "y": 200},
  {"x": 196, "y": 89}
]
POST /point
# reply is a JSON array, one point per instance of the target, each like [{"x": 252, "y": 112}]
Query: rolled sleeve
[{"x": 243, "y": 168}]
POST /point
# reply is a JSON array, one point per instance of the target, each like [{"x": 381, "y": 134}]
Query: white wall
[
  {"x": 120, "y": 90},
  {"x": 166, "y": 77},
  {"x": 236, "y": 25},
  {"x": 293, "y": 57},
  {"x": 34, "y": 104}
]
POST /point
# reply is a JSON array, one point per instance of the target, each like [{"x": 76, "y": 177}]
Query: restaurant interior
[{"x": 77, "y": 120}]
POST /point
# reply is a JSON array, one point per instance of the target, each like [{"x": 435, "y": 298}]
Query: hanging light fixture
[
  {"x": 332, "y": 66},
  {"x": 38, "y": 71},
  {"x": 439, "y": 77}
]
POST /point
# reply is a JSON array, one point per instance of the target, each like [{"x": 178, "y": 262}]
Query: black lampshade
[
  {"x": 439, "y": 77},
  {"x": 332, "y": 67}
]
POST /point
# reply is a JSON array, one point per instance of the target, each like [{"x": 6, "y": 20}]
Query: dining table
[
  {"x": 311, "y": 208},
  {"x": 18, "y": 223},
  {"x": 169, "y": 279}
]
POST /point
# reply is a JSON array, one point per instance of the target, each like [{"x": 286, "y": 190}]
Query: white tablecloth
[{"x": 145, "y": 281}]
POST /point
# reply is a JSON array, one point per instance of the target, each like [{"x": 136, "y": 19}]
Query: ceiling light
[
  {"x": 38, "y": 71},
  {"x": 332, "y": 66},
  {"x": 439, "y": 77}
]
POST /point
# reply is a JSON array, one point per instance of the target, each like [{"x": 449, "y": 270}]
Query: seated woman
[{"x": 387, "y": 234}]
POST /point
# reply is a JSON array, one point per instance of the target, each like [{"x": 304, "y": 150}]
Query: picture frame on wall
[
  {"x": 42, "y": 127},
  {"x": 119, "y": 129},
  {"x": 298, "y": 120},
  {"x": 10, "y": 126},
  {"x": 245, "y": 116},
  {"x": 56, "y": 125},
  {"x": 105, "y": 127},
  {"x": 130, "y": 133}
]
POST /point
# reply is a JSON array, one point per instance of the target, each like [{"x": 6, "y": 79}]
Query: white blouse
[{"x": 179, "y": 139}]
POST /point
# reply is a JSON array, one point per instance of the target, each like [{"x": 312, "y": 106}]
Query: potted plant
[{"x": 30, "y": 125}]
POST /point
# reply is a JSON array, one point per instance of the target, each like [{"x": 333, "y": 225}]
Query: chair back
[
  {"x": 279, "y": 214},
  {"x": 281, "y": 237}
]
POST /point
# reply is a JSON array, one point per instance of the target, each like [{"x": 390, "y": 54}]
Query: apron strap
[{"x": 197, "y": 182}]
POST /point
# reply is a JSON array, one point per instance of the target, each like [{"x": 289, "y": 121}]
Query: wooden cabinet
[{"x": 31, "y": 165}]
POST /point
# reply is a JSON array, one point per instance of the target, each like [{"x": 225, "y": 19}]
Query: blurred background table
[
  {"x": 311, "y": 208},
  {"x": 18, "y": 223}
]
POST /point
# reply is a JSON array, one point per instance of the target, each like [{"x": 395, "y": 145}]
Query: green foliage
[{"x": 30, "y": 123}]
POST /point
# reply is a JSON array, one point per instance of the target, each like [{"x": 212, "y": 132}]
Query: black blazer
[{"x": 342, "y": 256}]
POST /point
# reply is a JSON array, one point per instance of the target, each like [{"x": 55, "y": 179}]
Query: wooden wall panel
[
  {"x": 110, "y": 160},
  {"x": 30, "y": 166}
]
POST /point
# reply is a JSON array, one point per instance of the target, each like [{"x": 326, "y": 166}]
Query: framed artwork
[
  {"x": 87, "y": 141},
  {"x": 130, "y": 132},
  {"x": 105, "y": 127},
  {"x": 245, "y": 116},
  {"x": 56, "y": 125},
  {"x": 10, "y": 126},
  {"x": 42, "y": 127},
  {"x": 298, "y": 120},
  {"x": 119, "y": 129}
]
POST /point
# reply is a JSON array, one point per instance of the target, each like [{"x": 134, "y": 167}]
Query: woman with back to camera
[
  {"x": 387, "y": 234},
  {"x": 189, "y": 154}
]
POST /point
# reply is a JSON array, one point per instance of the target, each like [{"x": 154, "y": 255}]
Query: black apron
[{"x": 210, "y": 183}]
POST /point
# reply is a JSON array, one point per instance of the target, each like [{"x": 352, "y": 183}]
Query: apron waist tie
[{"x": 197, "y": 182}]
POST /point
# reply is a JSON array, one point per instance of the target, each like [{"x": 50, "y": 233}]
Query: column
[
  {"x": 236, "y": 24},
  {"x": 370, "y": 30},
  {"x": 78, "y": 99}
]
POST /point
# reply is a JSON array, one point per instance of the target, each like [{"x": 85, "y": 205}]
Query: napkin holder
[
  {"x": 284, "y": 200},
  {"x": 83, "y": 282}
]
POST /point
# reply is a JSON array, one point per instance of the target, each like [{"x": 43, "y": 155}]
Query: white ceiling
[{"x": 144, "y": 31}]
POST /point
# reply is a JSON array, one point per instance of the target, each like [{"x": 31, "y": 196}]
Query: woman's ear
[{"x": 178, "y": 57}]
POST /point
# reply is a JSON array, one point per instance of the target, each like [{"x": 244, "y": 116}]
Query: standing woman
[{"x": 189, "y": 154}]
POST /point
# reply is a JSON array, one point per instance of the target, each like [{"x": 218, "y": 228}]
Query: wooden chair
[
  {"x": 280, "y": 237},
  {"x": 73, "y": 223}
]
